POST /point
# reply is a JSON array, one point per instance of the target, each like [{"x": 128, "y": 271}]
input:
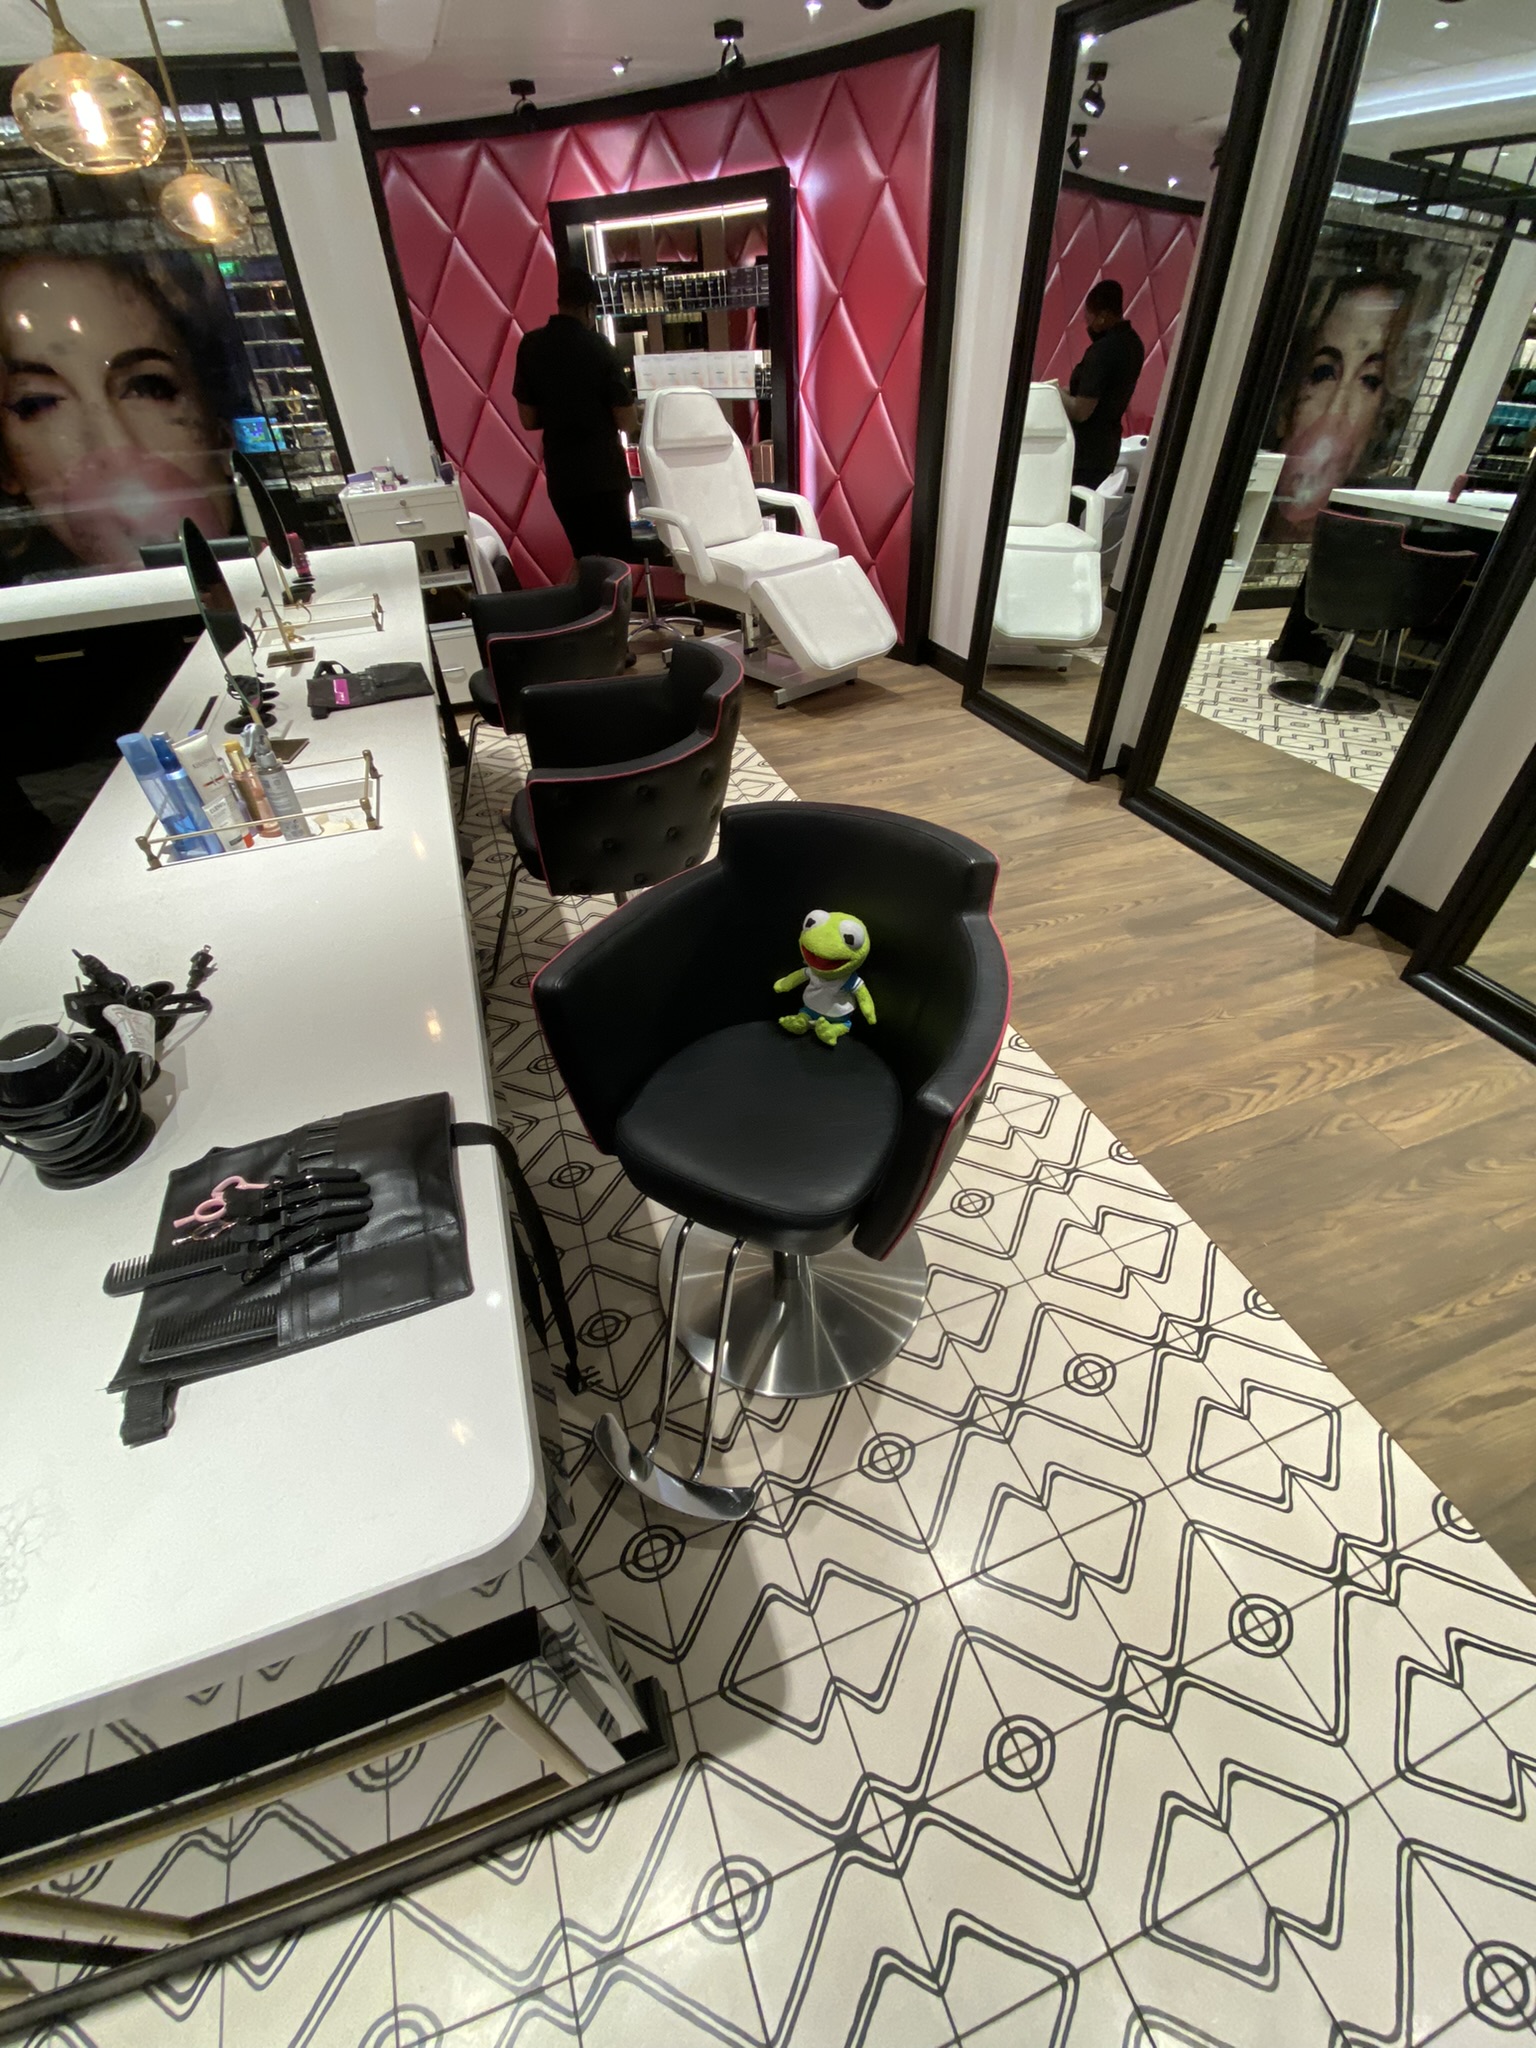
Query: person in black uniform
[
  {"x": 570, "y": 386},
  {"x": 1101, "y": 386}
]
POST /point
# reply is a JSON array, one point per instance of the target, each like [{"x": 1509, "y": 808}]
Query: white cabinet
[
  {"x": 458, "y": 656},
  {"x": 1262, "y": 479},
  {"x": 416, "y": 512}
]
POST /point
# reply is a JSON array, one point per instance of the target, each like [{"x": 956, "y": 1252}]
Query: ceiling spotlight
[
  {"x": 1075, "y": 149},
  {"x": 1086, "y": 43},
  {"x": 1237, "y": 35},
  {"x": 728, "y": 34},
  {"x": 1123, "y": 169},
  {"x": 176, "y": 21},
  {"x": 1092, "y": 101},
  {"x": 413, "y": 110},
  {"x": 524, "y": 112},
  {"x": 813, "y": 8},
  {"x": 1442, "y": 24},
  {"x": 1171, "y": 183},
  {"x": 620, "y": 65}
]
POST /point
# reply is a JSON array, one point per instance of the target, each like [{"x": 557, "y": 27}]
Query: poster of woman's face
[
  {"x": 121, "y": 376},
  {"x": 1373, "y": 310}
]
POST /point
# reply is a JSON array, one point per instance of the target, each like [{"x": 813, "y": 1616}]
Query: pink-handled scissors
[{"x": 210, "y": 1215}]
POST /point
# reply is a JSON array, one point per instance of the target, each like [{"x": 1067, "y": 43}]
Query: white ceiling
[
  {"x": 1483, "y": 63},
  {"x": 453, "y": 57},
  {"x": 1167, "y": 95},
  {"x": 116, "y": 27}
]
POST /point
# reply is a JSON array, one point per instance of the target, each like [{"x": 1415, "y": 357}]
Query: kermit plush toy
[{"x": 834, "y": 946}]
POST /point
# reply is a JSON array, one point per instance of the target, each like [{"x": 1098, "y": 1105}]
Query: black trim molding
[
  {"x": 1266, "y": 20},
  {"x": 1400, "y": 916}
]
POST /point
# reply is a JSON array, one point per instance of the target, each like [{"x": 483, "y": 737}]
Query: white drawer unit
[
  {"x": 415, "y": 512},
  {"x": 458, "y": 656}
]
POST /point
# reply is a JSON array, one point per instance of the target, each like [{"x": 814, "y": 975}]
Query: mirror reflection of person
[
  {"x": 1102, "y": 385},
  {"x": 109, "y": 432},
  {"x": 1334, "y": 399}
]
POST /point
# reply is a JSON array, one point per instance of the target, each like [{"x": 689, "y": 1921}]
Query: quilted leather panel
[
  {"x": 471, "y": 228},
  {"x": 1149, "y": 251}
]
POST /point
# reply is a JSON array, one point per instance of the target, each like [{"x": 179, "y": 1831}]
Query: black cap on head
[
  {"x": 576, "y": 291},
  {"x": 1106, "y": 297}
]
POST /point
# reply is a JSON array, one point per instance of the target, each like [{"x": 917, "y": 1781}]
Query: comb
[
  {"x": 211, "y": 1330},
  {"x": 225, "y": 1254}
]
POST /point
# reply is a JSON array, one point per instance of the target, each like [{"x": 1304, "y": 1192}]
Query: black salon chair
[
  {"x": 545, "y": 636},
  {"x": 796, "y": 1169},
  {"x": 627, "y": 776},
  {"x": 1363, "y": 577}
]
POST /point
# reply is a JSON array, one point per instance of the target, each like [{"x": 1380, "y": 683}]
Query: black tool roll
[
  {"x": 334, "y": 688},
  {"x": 407, "y": 1255}
]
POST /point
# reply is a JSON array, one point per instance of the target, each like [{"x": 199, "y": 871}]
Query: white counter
[
  {"x": 1485, "y": 509},
  {"x": 313, "y": 1495},
  {"x": 78, "y": 604}
]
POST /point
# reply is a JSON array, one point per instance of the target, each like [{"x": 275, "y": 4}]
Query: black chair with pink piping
[
  {"x": 563, "y": 632},
  {"x": 1365, "y": 578},
  {"x": 796, "y": 1169},
  {"x": 627, "y": 776}
]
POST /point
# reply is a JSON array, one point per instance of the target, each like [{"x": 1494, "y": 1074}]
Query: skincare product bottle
[
  {"x": 210, "y": 778},
  {"x": 252, "y": 795},
  {"x": 286, "y": 807},
  {"x": 171, "y": 797}
]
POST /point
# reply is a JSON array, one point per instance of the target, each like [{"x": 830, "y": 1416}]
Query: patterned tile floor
[
  {"x": 1229, "y": 683},
  {"x": 1099, "y": 1674}
]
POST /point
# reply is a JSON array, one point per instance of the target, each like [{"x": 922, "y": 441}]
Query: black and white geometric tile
[
  {"x": 1100, "y": 1674},
  {"x": 1229, "y": 683}
]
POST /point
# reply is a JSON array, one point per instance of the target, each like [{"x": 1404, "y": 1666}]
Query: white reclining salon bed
[
  {"x": 821, "y": 607},
  {"x": 1050, "y": 588}
]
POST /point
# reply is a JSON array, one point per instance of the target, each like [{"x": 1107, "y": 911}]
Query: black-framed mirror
[
  {"x": 706, "y": 272},
  {"x": 1333, "y": 625},
  {"x": 1152, "y": 114}
]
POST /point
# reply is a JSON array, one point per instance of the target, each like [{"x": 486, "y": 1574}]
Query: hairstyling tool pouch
[
  {"x": 334, "y": 688},
  {"x": 321, "y": 1232}
]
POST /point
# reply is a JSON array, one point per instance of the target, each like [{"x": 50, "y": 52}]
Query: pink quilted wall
[
  {"x": 471, "y": 229},
  {"x": 1149, "y": 251}
]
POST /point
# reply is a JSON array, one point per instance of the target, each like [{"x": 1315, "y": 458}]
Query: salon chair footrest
[{"x": 801, "y": 1326}]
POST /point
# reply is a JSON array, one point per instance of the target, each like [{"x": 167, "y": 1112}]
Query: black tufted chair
[
  {"x": 627, "y": 776},
  {"x": 566, "y": 631},
  {"x": 1363, "y": 577},
  {"x": 797, "y": 1170}
]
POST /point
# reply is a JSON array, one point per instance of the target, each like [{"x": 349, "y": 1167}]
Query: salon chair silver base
[
  {"x": 784, "y": 676},
  {"x": 1328, "y": 693},
  {"x": 800, "y": 1327}
]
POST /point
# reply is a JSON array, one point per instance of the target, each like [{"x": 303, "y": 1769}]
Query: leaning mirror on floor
[
  {"x": 1403, "y": 422},
  {"x": 1150, "y": 104}
]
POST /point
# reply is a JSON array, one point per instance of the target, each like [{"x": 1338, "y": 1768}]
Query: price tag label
[{"x": 136, "y": 1032}]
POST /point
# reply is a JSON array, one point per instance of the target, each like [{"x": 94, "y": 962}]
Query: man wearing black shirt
[
  {"x": 1102, "y": 384},
  {"x": 570, "y": 386}
]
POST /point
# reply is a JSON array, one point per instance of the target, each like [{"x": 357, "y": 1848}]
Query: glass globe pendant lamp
[
  {"x": 199, "y": 206},
  {"x": 204, "y": 208},
  {"x": 90, "y": 114}
]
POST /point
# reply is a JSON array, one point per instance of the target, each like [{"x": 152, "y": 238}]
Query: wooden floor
[{"x": 1367, "y": 1160}]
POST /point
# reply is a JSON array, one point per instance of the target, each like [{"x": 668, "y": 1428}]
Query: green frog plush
[{"x": 834, "y": 946}]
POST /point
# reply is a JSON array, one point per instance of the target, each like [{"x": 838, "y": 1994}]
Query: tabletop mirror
[
  {"x": 1141, "y": 101},
  {"x": 1388, "y": 449}
]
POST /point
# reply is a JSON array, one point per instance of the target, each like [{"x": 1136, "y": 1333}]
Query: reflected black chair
[
  {"x": 627, "y": 776},
  {"x": 166, "y": 554},
  {"x": 796, "y": 1170},
  {"x": 1363, "y": 577},
  {"x": 568, "y": 630}
]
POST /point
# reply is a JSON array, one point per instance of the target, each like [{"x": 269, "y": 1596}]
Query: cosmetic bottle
[
  {"x": 220, "y": 798},
  {"x": 286, "y": 807},
  {"x": 171, "y": 797},
  {"x": 252, "y": 795}
]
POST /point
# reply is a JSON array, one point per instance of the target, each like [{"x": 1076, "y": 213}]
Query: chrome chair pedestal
[{"x": 801, "y": 1327}]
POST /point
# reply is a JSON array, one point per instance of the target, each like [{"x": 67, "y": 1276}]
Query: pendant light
[
  {"x": 90, "y": 114},
  {"x": 200, "y": 206}
]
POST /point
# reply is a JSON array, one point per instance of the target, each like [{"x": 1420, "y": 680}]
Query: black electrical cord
[{"x": 89, "y": 1130}]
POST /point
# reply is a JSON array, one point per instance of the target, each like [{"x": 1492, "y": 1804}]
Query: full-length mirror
[
  {"x": 1389, "y": 445},
  {"x": 1138, "y": 162}
]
